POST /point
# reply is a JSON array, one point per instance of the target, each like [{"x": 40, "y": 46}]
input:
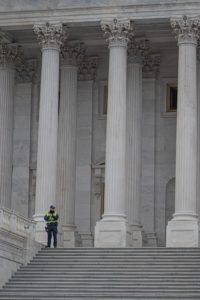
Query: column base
[
  {"x": 137, "y": 236},
  {"x": 87, "y": 239},
  {"x": 40, "y": 233},
  {"x": 70, "y": 237},
  {"x": 183, "y": 232},
  {"x": 112, "y": 234},
  {"x": 150, "y": 239}
]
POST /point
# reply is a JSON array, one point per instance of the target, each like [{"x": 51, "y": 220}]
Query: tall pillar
[
  {"x": 49, "y": 36},
  {"x": 134, "y": 140},
  {"x": 113, "y": 230},
  {"x": 183, "y": 229},
  {"x": 7, "y": 56},
  {"x": 198, "y": 131},
  {"x": 67, "y": 143}
]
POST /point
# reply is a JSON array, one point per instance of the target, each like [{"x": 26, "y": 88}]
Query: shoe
[
  {"x": 55, "y": 246},
  {"x": 47, "y": 247}
]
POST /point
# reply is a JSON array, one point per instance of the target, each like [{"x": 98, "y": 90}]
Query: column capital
[
  {"x": 151, "y": 64},
  {"x": 72, "y": 53},
  {"x": 118, "y": 32},
  {"x": 25, "y": 72},
  {"x": 137, "y": 50},
  {"x": 87, "y": 68},
  {"x": 50, "y": 36},
  {"x": 9, "y": 53},
  {"x": 186, "y": 30}
]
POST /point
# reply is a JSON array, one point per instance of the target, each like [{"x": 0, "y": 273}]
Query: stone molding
[
  {"x": 72, "y": 54},
  {"x": 118, "y": 32},
  {"x": 13, "y": 222},
  {"x": 186, "y": 30},
  {"x": 25, "y": 71},
  {"x": 9, "y": 53},
  {"x": 137, "y": 50},
  {"x": 151, "y": 65},
  {"x": 50, "y": 36},
  {"x": 87, "y": 68}
]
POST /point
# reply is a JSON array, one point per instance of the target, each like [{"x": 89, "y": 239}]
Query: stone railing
[{"x": 13, "y": 222}]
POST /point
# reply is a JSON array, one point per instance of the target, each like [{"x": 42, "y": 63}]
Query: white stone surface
[
  {"x": 184, "y": 228},
  {"x": 6, "y": 132},
  {"x": 134, "y": 147},
  {"x": 17, "y": 244},
  {"x": 115, "y": 196},
  {"x": 84, "y": 161},
  {"x": 148, "y": 158},
  {"x": 33, "y": 145},
  {"x": 21, "y": 148},
  {"x": 66, "y": 179},
  {"x": 49, "y": 37}
]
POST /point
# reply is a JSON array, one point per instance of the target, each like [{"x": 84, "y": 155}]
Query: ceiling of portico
[{"x": 158, "y": 32}]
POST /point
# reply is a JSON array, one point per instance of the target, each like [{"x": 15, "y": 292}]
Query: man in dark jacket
[{"x": 51, "y": 219}]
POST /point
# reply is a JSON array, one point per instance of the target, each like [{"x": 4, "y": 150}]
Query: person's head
[{"x": 52, "y": 208}]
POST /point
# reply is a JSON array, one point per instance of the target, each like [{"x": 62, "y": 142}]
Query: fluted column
[
  {"x": 7, "y": 56},
  {"x": 183, "y": 229},
  {"x": 134, "y": 140},
  {"x": 112, "y": 230},
  {"x": 67, "y": 143},
  {"x": 49, "y": 36}
]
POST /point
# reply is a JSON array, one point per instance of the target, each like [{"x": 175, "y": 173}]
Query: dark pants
[{"x": 52, "y": 230}]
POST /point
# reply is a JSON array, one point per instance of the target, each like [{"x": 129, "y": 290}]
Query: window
[{"x": 171, "y": 101}]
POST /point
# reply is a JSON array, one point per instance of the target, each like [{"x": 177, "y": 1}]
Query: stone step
[{"x": 94, "y": 274}]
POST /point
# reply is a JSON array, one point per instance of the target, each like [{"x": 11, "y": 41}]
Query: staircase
[{"x": 87, "y": 273}]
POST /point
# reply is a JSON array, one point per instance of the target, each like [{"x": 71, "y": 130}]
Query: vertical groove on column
[
  {"x": 6, "y": 135},
  {"x": 67, "y": 144},
  {"x": 186, "y": 146},
  {"x": 47, "y": 139},
  {"x": 133, "y": 142},
  {"x": 116, "y": 134}
]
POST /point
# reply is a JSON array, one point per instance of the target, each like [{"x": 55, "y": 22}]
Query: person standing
[{"x": 51, "y": 219}]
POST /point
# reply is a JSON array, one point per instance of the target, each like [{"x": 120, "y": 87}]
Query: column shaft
[
  {"x": 134, "y": 139},
  {"x": 67, "y": 143},
  {"x": 116, "y": 134},
  {"x": 186, "y": 142},
  {"x": 6, "y": 134},
  {"x": 47, "y": 138}
]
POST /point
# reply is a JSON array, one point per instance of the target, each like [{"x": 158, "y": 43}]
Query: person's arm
[
  {"x": 46, "y": 217},
  {"x": 56, "y": 217}
]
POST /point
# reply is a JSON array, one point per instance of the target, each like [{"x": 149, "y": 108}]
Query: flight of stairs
[{"x": 87, "y": 273}]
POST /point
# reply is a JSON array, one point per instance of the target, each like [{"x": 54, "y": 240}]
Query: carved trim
[
  {"x": 151, "y": 65},
  {"x": 186, "y": 30},
  {"x": 9, "y": 53},
  {"x": 50, "y": 35},
  {"x": 87, "y": 68},
  {"x": 72, "y": 54},
  {"x": 137, "y": 50},
  {"x": 118, "y": 32}
]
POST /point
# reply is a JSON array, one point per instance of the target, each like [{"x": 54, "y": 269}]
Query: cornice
[{"x": 93, "y": 13}]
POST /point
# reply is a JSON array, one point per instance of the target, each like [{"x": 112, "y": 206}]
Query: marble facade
[{"x": 68, "y": 146}]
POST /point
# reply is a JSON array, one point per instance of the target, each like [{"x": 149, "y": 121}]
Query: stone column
[
  {"x": 134, "y": 140},
  {"x": 67, "y": 143},
  {"x": 183, "y": 229},
  {"x": 112, "y": 230},
  {"x": 198, "y": 131},
  {"x": 49, "y": 36},
  {"x": 7, "y": 56}
]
